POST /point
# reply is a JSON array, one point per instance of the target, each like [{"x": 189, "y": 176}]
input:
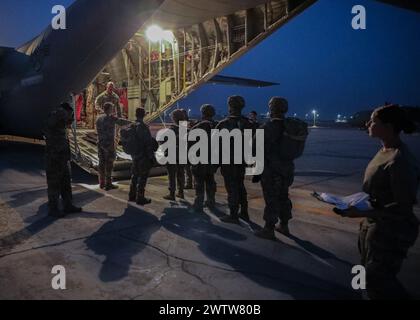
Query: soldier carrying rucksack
[
  {"x": 205, "y": 184},
  {"x": 139, "y": 143},
  {"x": 284, "y": 141}
]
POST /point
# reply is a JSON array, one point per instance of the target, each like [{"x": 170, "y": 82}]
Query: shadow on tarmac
[
  {"x": 267, "y": 272},
  {"x": 118, "y": 250},
  {"x": 40, "y": 220}
]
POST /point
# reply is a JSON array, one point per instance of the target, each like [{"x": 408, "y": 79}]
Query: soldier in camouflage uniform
[
  {"x": 176, "y": 172},
  {"x": 391, "y": 228},
  {"x": 57, "y": 156},
  {"x": 204, "y": 173},
  {"x": 105, "y": 127},
  {"x": 143, "y": 160},
  {"x": 109, "y": 96},
  {"x": 234, "y": 174},
  {"x": 278, "y": 173}
]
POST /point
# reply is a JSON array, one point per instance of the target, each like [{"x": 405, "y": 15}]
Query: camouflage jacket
[
  {"x": 207, "y": 126},
  {"x": 55, "y": 135},
  {"x": 231, "y": 123},
  {"x": 103, "y": 98},
  {"x": 105, "y": 127},
  {"x": 146, "y": 142}
]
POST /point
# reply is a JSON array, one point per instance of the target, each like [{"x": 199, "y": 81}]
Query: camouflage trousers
[
  {"x": 176, "y": 175},
  {"x": 275, "y": 181},
  {"x": 106, "y": 165},
  {"x": 204, "y": 184},
  {"x": 188, "y": 174},
  {"x": 58, "y": 181},
  {"x": 140, "y": 171},
  {"x": 234, "y": 176},
  {"x": 383, "y": 246}
]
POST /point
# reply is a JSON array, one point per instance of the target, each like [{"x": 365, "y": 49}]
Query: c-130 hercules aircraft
[{"x": 107, "y": 40}]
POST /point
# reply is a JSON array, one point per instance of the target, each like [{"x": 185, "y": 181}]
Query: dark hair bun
[
  {"x": 397, "y": 117},
  {"x": 408, "y": 126}
]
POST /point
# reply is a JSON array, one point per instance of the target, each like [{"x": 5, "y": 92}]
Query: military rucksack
[
  {"x": 129, "y": 140},
  {"x": 294, "y": 138}
]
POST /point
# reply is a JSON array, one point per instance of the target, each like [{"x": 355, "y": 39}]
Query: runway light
[{"x": 315, "y": 116}]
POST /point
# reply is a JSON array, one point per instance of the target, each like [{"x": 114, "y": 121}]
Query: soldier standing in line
[
  {"x": 278, "y": 173},
  {"x": 204, "y": 173},
  {"x": 234, "y": 174},
  {"x": 57, "y": 156},
  {"x": 253, "y": 118},
  {"x": 109, "y": 96},
  {"x": 105, "y": 127},
  {"x": 143, "y": 160},
  {"x": 176, "y": 172}
]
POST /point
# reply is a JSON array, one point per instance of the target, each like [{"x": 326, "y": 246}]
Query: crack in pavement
[
  {"x": 184, "y": 269},
  {"x": 159, "y": 281},
  {"x": 183, "y": 260},
  {"x": 244, "y": 272}
]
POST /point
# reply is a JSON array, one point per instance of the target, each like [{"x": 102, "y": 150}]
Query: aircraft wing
[{"x": 226, "y": 80}]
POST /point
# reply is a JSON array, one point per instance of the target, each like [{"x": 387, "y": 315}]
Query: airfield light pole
[{"x": 314, "y": 113}]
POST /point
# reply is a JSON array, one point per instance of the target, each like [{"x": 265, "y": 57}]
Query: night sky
[{"x": 318, "y": 59}]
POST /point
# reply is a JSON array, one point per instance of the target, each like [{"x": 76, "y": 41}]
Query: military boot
[
  {"x": 110, "y": 187},
  {"x": 54, "y": 211},
  {"x": 68, "y": 209},
  {"x": 180, "y": 194},
  {"x": 132, "y": 194},
  {"x": 232, "y": 218},
  {"x": 283, "y": 228},
  {"x": 266, "y": 233},
  {"x": 197, "y": 206},
  {"x": 244, "y": 214},
  {"x": 211, "y": 204},
  {"x": 101, "y": 183},
  {"x": 141, "y": 199},
  {"x": 170, "y": 196}
]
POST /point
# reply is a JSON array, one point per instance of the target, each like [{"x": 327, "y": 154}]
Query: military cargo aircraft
[{"x": 156, "y": 51}]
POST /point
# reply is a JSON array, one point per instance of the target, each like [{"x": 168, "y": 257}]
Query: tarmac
[{"x": 119, "y": 250}]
